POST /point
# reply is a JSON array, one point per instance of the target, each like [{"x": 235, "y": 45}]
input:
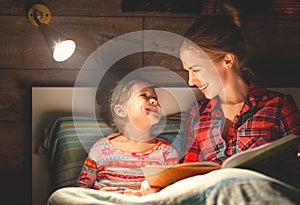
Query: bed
[{"x": 60, "y": 142}]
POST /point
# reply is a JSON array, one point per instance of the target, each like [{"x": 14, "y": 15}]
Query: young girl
[{"x": 114, "y": 162}]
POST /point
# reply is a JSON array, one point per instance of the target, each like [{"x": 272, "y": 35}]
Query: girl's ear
[
  {"x": 120, "y": 110},
  {"x": 229, "y": 60}
]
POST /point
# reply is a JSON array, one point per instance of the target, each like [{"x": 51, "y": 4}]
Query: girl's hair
[
  {"x": 220, "y": 34},
  {"x": 118, "y": 95}
]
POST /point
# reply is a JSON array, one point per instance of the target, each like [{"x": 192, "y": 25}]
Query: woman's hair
[
  {"x": 220, "y": 34},
  {"x": 120, "y": 94}
]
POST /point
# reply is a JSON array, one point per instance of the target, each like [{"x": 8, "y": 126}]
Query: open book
[{"x": 259, "y": 159}]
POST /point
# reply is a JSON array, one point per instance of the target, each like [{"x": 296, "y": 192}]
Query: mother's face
[{"x": 202, "y": 71}]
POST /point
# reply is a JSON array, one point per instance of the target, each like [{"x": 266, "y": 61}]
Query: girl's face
[
  {"x": 202, "y": 71},
  {"x": 143, "y": 107}
]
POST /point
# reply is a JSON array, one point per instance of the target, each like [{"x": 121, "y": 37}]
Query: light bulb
[{"x": 64, "y": 50}]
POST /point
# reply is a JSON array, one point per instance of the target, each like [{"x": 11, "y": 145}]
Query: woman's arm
[{"x": 290, "y": 117}]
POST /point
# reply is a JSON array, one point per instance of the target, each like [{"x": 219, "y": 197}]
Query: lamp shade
[{"x": 61, "y": 47}]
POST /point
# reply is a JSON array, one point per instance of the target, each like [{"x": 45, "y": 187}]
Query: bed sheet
[{"x": 226, "y": 186}]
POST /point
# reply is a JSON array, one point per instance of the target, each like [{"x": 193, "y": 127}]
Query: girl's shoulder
[
  {"x": 105, "y": 140},
  {"x": 164, "y": 143},
  {"x": 111, "y": 136}
]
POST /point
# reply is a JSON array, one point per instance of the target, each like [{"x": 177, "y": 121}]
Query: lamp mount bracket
[{"x": 41, "y": 12}]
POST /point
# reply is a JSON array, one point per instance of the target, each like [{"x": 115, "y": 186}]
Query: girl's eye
[
  {"x": 144, "y": 95},
  {"x": 154, "y": 98},
  {"x": 148, "y": 97}
]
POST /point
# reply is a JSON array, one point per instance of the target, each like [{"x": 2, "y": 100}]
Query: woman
[{"x": 237, "y": 114}]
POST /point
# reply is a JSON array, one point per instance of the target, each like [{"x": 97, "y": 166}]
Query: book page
[{"x": 162, "y": 176}]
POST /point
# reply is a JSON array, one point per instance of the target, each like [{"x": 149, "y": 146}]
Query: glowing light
[{"x": 64, "y": 50}]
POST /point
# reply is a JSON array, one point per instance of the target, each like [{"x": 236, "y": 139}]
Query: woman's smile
[{"x": 202, "y": 87}]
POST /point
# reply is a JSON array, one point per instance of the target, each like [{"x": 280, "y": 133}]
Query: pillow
[
  {"x": 68, "y": 141},
  {"x": 65, "y": 143}
]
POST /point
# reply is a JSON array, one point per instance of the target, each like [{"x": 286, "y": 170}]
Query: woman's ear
[
  {"x": 228, "y": 60},
  {"x": 120, "y": 110}
]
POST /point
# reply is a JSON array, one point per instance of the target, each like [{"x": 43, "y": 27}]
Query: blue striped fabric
[{"x": 68, "y": 141}]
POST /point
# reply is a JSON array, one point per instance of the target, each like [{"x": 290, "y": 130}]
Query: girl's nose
[{"x": 153, "y": 101}]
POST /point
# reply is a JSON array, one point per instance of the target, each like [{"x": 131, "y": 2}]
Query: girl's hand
[
  {"x": 113, "y": 189},
  {"x": 122, "y": 190},
  {"x": 134, "y": 192},
  {"x": 146, "y": 189}
]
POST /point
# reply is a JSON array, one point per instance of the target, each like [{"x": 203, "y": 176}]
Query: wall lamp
[{"x": 61, "y": 47}]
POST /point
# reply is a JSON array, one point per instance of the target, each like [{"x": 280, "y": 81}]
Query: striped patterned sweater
[{"x": 106, "y": 166}]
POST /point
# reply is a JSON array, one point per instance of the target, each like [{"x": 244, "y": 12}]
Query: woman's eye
[{"x": 196, "y": 69}]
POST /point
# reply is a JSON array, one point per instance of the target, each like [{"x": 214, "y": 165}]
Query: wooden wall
[{"x": 25, "y": 61}]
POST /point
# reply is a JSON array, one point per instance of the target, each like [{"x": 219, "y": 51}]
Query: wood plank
[
  {"x": 15, "y": 86},
  {"x": 279, "y": 77},
  {"x": 15, "y": 90},
  {"x": 163, "y": 60},
  {"x": 272, "y": 40},
  {"x": 23, "y": 46},
  {"x": 21, "y": 79},
  {"x": 65, "y": 7},
  {"x": 176, "y": 26},
  {"x": 277, "y": 37},
  {"x": 282, "y": 48},
  {"x": 273, "y": 47},
  {"x": 20, "y": 184},
  {"x": 93, "y": 8},
  {"x": 272, "y": 44},
  {"x": 11, "y": 107},
  {"x": 14, "y": 144}
]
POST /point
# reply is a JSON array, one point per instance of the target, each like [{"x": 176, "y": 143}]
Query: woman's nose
[{"x": 192, "y": 79}]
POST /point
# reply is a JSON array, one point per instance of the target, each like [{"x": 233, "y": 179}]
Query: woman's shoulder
[
  {"x": 275, "y": 99},
  {"x": 260, "y": 93},
  {"x": 278, "y": 96},
  {"x": 272, "y": 93}
]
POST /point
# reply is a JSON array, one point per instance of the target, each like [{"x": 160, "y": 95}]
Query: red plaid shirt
[{"x": 265, "y": 116}]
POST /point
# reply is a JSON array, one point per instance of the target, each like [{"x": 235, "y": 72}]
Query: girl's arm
[{"x": 88, "y": 174}]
